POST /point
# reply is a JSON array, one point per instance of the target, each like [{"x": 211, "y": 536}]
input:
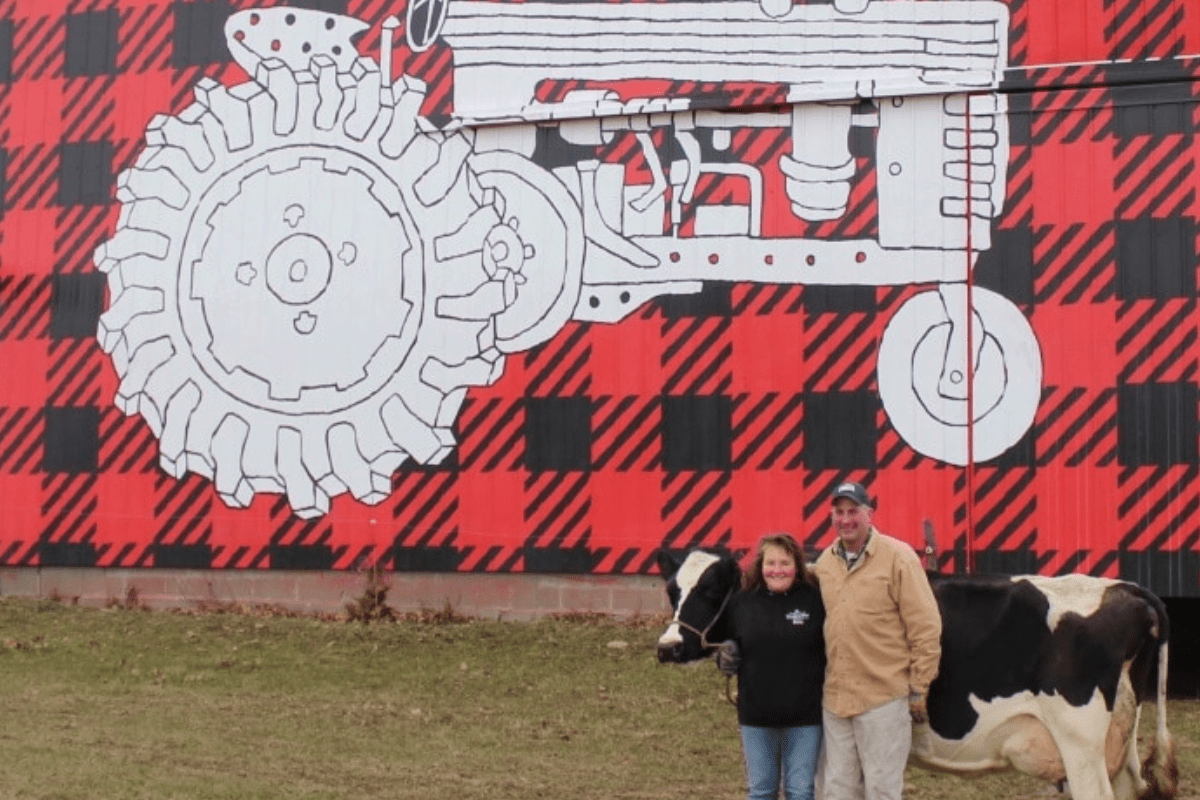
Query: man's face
[{"x": 852, "y": 523}]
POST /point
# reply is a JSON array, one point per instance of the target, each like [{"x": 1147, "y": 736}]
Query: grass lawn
[{"x": 125, "y": 703}]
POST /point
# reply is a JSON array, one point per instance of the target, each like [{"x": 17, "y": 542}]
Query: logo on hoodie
[{"x": 797, "y": 617}]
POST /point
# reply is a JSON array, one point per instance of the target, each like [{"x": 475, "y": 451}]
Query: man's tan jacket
[{"x": 882, "y": 625}]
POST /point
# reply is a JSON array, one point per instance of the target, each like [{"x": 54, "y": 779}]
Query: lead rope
[{"x": 703, "y": 634}]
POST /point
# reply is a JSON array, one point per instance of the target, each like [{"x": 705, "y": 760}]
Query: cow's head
[{"x": 699, "y": 586}]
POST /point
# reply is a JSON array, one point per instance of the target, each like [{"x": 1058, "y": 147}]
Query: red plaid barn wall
[{"x": 543, "y": 287}]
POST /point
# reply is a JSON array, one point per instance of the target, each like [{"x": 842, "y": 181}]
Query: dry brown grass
[{"x": 236, "y": 701}]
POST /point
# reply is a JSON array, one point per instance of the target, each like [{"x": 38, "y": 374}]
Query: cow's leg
[
  {"x": 1121, "y": 750},
  {"x": 1080, "y": 732}
]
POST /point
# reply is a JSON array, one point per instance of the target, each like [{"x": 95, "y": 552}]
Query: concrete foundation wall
[{"x": 494, "y": 596}]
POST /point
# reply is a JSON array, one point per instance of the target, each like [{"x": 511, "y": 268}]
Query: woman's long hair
[{"x": 753, "y": 578}]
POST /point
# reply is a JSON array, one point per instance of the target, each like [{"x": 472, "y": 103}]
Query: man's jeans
[
  {"x": 772, "y": 751},
  {"x": 865, "y": 756}
]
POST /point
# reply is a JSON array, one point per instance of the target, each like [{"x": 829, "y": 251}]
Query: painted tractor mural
[{"x": 387, "y": 265}]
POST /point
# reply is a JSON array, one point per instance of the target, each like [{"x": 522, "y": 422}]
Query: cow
[{"x": 1044, "y": 675}]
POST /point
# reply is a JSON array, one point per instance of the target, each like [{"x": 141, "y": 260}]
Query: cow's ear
[{"x": 668, "y": 563}]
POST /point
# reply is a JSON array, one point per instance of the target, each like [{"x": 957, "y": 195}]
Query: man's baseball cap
[{"x": 852, "y": 491}]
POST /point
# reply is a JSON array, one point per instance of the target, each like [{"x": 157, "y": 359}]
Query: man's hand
[
  {"x": 917, "y": 709},
  {"x": 728, "y": 658}
]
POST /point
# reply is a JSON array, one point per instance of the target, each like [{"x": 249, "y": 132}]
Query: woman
[{"x": 777, "y": 622}]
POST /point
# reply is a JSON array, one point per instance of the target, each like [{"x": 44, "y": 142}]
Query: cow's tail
[{"x": 1160, "y": 769}]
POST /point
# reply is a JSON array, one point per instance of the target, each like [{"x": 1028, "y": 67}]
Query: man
[{"x": 883, "y": 642}]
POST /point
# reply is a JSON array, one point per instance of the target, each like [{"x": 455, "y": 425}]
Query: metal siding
[{"x": 698, "y": 418}]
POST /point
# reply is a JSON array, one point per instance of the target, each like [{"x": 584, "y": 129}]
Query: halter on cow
[{"x": 1042, "y": 675}]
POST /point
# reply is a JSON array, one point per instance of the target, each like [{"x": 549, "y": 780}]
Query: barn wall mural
[{"x": 547, "y": 286}]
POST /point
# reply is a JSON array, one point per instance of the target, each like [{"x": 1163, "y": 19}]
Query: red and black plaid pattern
[{"x": 707, "y": 419}]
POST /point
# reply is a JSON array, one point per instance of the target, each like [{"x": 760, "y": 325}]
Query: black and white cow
[{"x": 1042, "y": 675}]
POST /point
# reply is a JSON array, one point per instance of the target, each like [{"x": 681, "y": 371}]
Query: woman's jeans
[{"x": 771, "y": 752}]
